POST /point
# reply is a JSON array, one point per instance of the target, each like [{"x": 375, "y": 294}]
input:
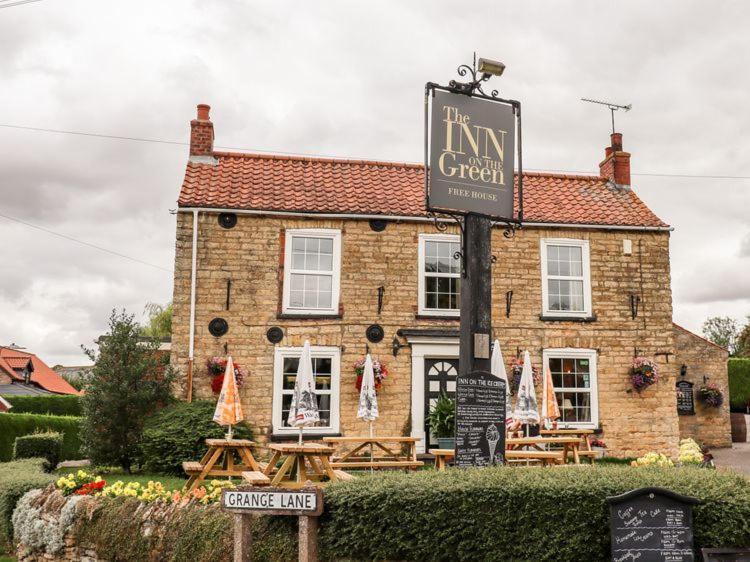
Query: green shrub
[
  {"x": 739, "y": 383},
  {"x": 514, "y": 514},
  {"x": 178, "y": 433},
  {"x": 54, "y": 404},
  {"x": 40, "y": 445},
  {"x": 16, "y": 425},
  {"x": 17, "y": 478}
]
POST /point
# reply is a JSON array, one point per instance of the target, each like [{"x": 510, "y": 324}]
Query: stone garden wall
[{"x": 251, "y": 256}]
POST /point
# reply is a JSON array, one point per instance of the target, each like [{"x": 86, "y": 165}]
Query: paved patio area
[{"x": 738, "y": 457}]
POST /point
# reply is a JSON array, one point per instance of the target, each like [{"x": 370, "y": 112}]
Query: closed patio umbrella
[
  {"x": 368, "y": 399},
  {"x": 304, "y": 408},
  {"x": 550, "y": 408},
  {"x": 497, "y": 368},
  {"x": 228, "y": 409},
  {"x": 526, "y": 411}
]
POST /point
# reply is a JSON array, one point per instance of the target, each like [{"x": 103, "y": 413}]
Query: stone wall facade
[
  {"x": 251, "y": 256},
  {"x": 710, "y": 426}
]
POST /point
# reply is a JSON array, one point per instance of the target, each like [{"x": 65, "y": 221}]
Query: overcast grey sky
[{"x": 344, "y": 79}]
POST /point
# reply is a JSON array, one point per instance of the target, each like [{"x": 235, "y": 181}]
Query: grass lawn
[{"x": 170, "y": 482}]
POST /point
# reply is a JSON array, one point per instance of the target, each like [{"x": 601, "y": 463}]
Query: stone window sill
[
  {"x": 436, "y": 317},
  {"x": 311, "y": 316},
  {"x": 284, "y": 437},
  {"x": 544, "y": 318}
]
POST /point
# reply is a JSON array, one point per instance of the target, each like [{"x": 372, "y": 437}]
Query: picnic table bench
[
  {"x": 299, "y": 464},
  {"x": 220, "y": 460},
  {"x": 570, "y": 444},
  {"x": 390, "y": 451},
  {"x": 583, "y": 434},
  {"x": 443, "y": 456}
]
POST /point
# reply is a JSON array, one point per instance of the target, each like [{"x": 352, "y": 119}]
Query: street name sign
[{"x": 273, "y": 501}]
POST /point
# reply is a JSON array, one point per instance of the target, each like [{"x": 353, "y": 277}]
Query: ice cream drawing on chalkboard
[{"x": 493, "y": 436}]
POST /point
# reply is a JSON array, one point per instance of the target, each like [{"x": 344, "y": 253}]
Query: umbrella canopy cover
[
  {"x": 497, "y": 368},
  {"x": 526, "y": 410},
  {"x": 368, "y": 399},
  {"x": 304, "y": 408},
  {"x": 550, "y": 408},
  {"x": 228, "y": 409}
]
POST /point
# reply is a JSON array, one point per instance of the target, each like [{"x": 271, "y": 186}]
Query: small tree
[
  {"x": 743, "y": 340},
  {"x": 723, "y": 331},
  {"x": 159, "y": 321},
  {"x": 128, "y": 382}
]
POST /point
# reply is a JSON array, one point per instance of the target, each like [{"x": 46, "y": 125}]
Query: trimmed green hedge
[
  {"x": 16, "y": 425},
  {"x": 178, "y": 433},
  {"x": 40, "y": 445},
  {"x": 54, "y": 404},
  {"x": 739, "y": 383},
  {"x": 17, "y": 478},
  {"x": 543, "y": 514},
  {"x": 514, "y": 513}
]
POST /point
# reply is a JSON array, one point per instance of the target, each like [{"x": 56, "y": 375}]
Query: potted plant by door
[{"x": 442, "y": 420}]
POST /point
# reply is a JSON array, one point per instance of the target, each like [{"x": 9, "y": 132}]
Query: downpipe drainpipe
[{"x": 191, "y": 346}]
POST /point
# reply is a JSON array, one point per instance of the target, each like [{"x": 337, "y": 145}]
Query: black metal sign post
[{"x": 470, "y": 139}]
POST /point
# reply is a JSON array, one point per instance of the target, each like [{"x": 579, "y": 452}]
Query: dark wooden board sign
[
  {"x": 480, "y": 420},
  {"x": 685, "y": 398},
  {"x": 651, "y": 525}
]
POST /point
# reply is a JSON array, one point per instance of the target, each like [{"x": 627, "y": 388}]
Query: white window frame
[
  {"x": 576, "y": 353},
  {"x": 421, "y": 308},
  {"x": 586, "y": 278},
  {"x": 280, "y": 354},
  {"x": 334, "y": 235}
]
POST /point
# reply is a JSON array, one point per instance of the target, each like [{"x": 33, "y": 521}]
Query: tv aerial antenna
[{"x": 612, "y": 107}]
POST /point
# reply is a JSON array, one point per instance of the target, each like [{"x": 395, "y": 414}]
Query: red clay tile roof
[
  {"x": 42, "y": 374},
  {"x": 324, "y": 185}
]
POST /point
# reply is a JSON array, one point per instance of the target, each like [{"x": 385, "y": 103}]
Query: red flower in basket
[
  {"x": 217, "y": 366},
  {"x": 380, "y": 370}
]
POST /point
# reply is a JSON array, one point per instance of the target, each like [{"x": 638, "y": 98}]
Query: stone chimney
[
  {"x": 616, "y": 164},
  {"x": 202, "y": 134}
]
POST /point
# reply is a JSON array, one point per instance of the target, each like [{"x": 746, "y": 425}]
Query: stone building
[{"x": 272, "y": 250}]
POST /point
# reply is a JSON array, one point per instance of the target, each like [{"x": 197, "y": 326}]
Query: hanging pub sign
[
  {"x": 685, "y": 398},
  {"x": 471, "y": 154}
]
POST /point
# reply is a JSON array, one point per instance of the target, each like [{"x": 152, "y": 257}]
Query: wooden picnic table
[
  {"x": 583, "y": 434},
  {"x": 389, "y": 456},
  {"x": 300, "y": 464},
  {"x": 220, "y": 460},
  {"x": 443, "y": 456},
  {"x": 569, "y": 444}
]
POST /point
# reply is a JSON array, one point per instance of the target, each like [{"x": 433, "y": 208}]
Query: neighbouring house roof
[
  {"x": 42, "y": 375},
  {"x": 21, "y": 389},
  {"x": 325, "y": 185}
]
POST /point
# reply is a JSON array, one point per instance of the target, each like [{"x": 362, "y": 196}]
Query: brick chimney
[
  {"x": 202, "y": 133},
  {"x": 616, "y": 163}
]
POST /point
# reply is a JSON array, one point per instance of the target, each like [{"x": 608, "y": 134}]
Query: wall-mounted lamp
[
  {"x": 683, "y": 370},
  {"x": 396, "y": 346},
  {"x": 490, "y": 67}
]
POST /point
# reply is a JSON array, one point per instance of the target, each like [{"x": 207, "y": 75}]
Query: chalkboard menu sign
[
  {"x": 652, "y": 525},
  {"x": 685, "y": 398},
  {"x": 480, "y": 420}
]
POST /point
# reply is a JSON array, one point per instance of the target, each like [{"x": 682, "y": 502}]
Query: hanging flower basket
[
  {"x": 516, "y": 370},
  {"x": 380, "y": 370},
  {"x": 644, "y": 373},
  {"x": 217, "y": 367},
  {"x": 710, "y": 395}
]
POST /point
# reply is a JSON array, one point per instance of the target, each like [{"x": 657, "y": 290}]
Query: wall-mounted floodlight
[{"x": 490, "y": 67}]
